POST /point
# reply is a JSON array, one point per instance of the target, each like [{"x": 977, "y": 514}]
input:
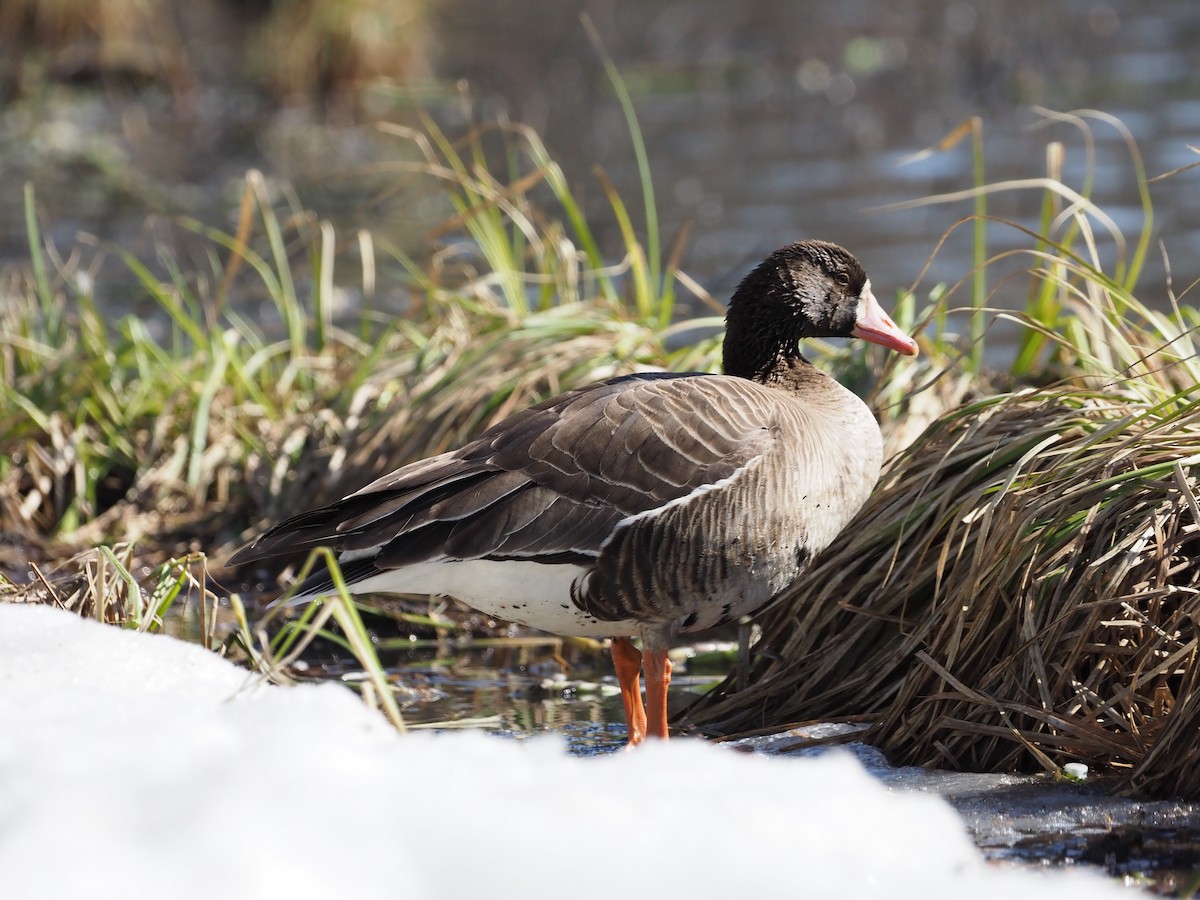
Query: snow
[{"x": 138, "y": 766}]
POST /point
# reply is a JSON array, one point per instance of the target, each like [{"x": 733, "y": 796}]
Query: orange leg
[
  {"x": 627, "y": 660},
  {"x": 658, "y": 679}
]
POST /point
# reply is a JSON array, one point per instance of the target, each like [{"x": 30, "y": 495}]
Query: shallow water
[
  {"x": 520, "y": 691},
  {"x": 1040, "y": 820}
]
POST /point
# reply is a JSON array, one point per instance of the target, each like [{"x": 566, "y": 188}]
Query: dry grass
[
  {"x": 136, "y": 38},
  {"x": 1023, "y": 590},
  {"x": 100, "y": 584},
  {"x": 310, "y": 47}
]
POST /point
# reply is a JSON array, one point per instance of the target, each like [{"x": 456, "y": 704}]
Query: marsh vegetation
[{"x": 1020, "y": 593}]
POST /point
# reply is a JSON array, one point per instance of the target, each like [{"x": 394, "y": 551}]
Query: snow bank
[{"x": 137, "y": 766}]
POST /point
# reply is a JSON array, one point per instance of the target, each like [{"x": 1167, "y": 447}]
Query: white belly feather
[{"x": 527, "y": 593}]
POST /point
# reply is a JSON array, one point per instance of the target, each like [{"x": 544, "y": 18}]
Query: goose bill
[{"x": 876, "y": 326}]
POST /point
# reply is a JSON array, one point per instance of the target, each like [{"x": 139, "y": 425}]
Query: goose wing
[{"x": 549, "y": 484}]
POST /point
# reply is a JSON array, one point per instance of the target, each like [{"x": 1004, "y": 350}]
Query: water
[
  {"x": 764, "y": 121},
  {"x": 768, "y": 119},
  {"x": 1040, "y": 820},
  {"x": 519, "y": 687}
]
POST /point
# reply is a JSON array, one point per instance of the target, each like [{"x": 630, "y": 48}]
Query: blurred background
[{"x": 764, "y": 120}]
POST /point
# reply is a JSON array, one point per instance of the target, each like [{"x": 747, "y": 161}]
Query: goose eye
[{"x": 842, "y": 278}]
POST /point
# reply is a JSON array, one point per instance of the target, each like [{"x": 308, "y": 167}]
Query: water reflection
[
  {"x": 505, "y": 690},
  {"x": 515, "y": 688}
]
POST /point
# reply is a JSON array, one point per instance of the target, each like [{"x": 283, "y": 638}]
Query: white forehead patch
[{"x": 863, "y": 297}]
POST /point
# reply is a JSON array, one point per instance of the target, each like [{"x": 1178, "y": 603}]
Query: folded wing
[{"x": 549, "y": 484}]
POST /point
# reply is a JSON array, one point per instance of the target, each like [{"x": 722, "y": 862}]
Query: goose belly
[{"x": 520, "y": 591}]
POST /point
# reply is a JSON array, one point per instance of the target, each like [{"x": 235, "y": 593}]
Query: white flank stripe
[
  {"x": 861, "y": 311},
  {"x": 520, "y": 591}
]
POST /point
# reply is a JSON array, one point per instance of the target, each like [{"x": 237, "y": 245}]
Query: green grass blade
[{"x": 653, "y": 247}]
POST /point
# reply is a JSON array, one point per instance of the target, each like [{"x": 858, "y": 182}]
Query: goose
[{"x": 645, "y": 505}]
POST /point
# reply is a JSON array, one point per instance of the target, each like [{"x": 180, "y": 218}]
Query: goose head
[{"x": 810, "y": 289}]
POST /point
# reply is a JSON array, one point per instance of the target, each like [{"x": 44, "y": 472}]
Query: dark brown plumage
[{"x": 644, "y": 505}]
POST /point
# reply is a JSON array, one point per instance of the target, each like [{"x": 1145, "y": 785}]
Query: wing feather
[{"x": 551, "y": 482}]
